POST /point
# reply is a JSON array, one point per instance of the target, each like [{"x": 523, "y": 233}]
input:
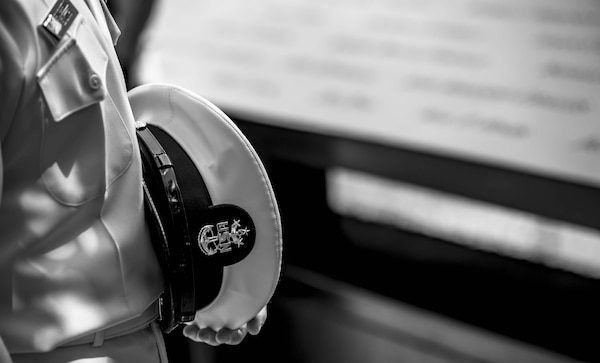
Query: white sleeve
[{"x": 11, "y": 70}]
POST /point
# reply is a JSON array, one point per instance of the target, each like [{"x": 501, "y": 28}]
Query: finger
[
  {"x": 201, "y": 335},
  {"x": 208, "y": 336},
  {"x": 190, "y": 331},
  {"x": 231, "y": 337},
  {"x": 256, "y": 324}
]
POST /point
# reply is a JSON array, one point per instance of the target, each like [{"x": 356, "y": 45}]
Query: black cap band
[{"x": 196, "y": 239}]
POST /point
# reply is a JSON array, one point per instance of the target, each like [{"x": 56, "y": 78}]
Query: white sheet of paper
[
  {"x": 513, "y": 83},
  {"x": 479, "y": 225}
]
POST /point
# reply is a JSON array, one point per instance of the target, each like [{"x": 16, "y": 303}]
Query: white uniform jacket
[{"x": 75, "y": 256}]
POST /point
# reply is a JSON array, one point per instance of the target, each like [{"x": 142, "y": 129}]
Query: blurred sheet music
[
  {"x": 473, "y": 223},
  {"x": 511, "y": 83}
]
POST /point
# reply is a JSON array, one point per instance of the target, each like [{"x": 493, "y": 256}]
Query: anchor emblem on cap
[{"x": 221, "y": 238}]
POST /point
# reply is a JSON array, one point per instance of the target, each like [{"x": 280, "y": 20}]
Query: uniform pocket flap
[{"x": 75, "y": 76}]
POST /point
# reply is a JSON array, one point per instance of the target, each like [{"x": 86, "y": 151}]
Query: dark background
[{"x": 327, "y": 268}]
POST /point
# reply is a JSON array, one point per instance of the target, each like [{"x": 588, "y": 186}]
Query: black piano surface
[{"x": 553, "y": 309}]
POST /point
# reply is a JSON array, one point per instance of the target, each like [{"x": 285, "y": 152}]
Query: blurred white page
[
  {"x": 465, "y": 221},
  {"x": 514, "y": 83}
]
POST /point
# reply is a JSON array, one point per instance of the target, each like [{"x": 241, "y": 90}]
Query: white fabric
[
  {"x": 144, "y": 346},
  {"x": 75, "y": 256}
]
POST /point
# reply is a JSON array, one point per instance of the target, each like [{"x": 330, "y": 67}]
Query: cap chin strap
[
  {"x": 192, "y": 238},
  {"x": 166, "y": 219}
]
